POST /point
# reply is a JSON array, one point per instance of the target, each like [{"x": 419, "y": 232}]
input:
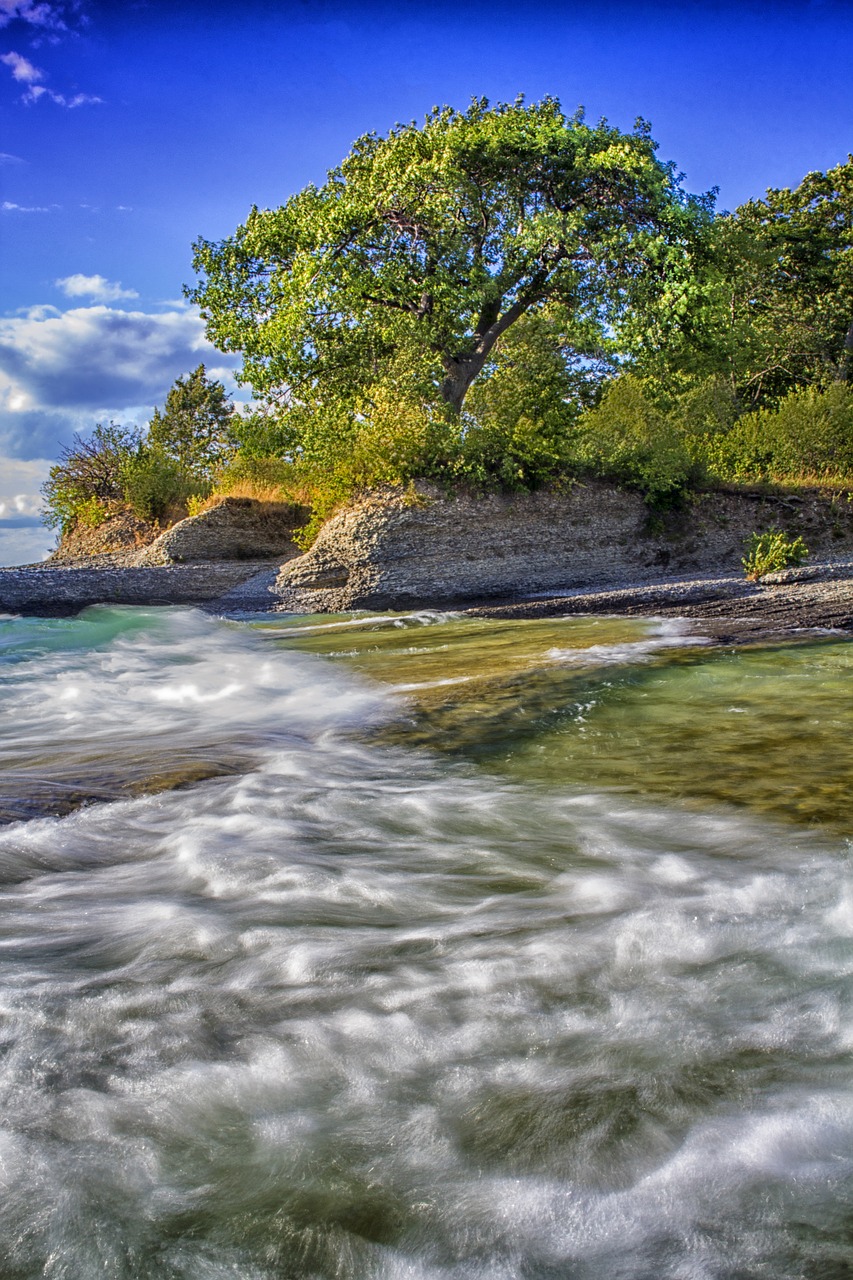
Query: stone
[
  {"x": 403, "y": 549},
  {"x": 233, "y": 529}
]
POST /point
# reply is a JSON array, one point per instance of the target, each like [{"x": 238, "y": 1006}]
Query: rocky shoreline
[
  {"x": 56, "y": 592},
  {"x": 726, "y": 608},
  {"x": 729, "y": 609},
  {"x": 591, "y": 549}
]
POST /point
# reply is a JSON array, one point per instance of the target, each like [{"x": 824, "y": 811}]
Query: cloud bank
[
  {"x": 61, "y": 372},
  {"x": 45, "y": 14},
  {"x": 23, "y": 538}
]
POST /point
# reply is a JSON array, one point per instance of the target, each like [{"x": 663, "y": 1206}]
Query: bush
[
  {"x": 809, "y": 437},
  {"x": 154, "y": 484},
  {"x": 92, "y": 513},
  {"x": 771, "y": 551},
  {"x": 628, "y": 439},
  {"x": 87, "y": 478},
  {"x": 268, "y": 479}
]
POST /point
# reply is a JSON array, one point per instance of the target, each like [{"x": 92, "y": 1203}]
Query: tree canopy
[
  {"x": 435, "y": 240},
  {"x": 776, "y": 306}
]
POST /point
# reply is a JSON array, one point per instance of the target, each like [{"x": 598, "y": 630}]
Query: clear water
[{"x": 544, "y": 972}]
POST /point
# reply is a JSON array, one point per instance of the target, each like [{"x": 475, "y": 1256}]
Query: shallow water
[{"x": 531, "y": 975}]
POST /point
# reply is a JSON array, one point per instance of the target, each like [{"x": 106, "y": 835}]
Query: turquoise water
[{"x": 423, "y": 947}]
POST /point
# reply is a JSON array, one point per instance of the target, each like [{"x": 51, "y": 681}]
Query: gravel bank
[{"x": 816, "y": 598}]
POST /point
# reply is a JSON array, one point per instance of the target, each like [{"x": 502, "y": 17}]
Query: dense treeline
[{"x": 506, "y": 297}]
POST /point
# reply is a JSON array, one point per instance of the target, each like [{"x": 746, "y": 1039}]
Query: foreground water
[{"x": 472, "y": 950}]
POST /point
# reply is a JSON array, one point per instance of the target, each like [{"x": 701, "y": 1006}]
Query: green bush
[
  {"x": 771, "y": 551},
  {"x": 87, "y": 477},
  {"x": 630, "y": 440},
  {"x": 152, "y": 484},
  {"x": 808, "y": 437},
  {"x": 92, "y": 513}
]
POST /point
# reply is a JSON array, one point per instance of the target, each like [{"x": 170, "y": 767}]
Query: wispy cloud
[
  {"x": 22, "y": 69},
  {"x": 7, "y": 158},
  {"x": 9, "y": 206},
  {"x": 25, "y": 72},
  {"x": 98, "y": 288},
  {"x": 45, "y": 14},
  {"x": 37, "y": 91}
]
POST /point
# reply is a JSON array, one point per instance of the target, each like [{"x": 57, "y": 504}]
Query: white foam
[{"x": 361, "y": 1012}]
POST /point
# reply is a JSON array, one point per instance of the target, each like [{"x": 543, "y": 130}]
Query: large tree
[
  {"x": 435, "y": 240},
  {"x": 792, "y": 282}
]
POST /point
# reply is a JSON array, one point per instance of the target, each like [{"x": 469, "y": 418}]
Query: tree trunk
[
  {"x": 845, "y": 369},
  {"x": 462, "y": 370},
  {"x": 460, "y": 375}
]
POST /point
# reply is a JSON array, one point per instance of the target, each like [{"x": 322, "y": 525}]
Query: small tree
[
  {"x": 89, "y": 474},
  {"x": 195, "y": 428}
]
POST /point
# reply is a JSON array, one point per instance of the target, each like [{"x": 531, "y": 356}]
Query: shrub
[
  {"x": 266, "y": 478},
  {"x": 88, "y": 472},
  {"x": 768, "y": 552},
  {"x": 93, "y": 512},
  {"x": 630, "y": 440},
  {"x": 808, "y": 437},
  {"x": 153, "y": 484}
]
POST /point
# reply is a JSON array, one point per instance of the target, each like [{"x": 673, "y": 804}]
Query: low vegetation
[
  {"x": 499, "y": 299},
  {"x": 772, "y": 551}
]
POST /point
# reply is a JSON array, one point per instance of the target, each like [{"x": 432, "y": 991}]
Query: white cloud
[
  {"x": 62, "y": 372},
  {"x": 47, "y": 14},
  {"x": 98, "y": 288},
  {"x": 26, "y": 505},
  {"x": 37, "y": 91},
  {"x": 20, "y": 480},
  {"x": 26, "y": 545},
  {"x": 9, "y": 206},
  {"x": 22, "y": 70},
  {"x": 23, "y": 538},
  {"x": 7, "y": 158},
  {"x": 26, "y": 73}
]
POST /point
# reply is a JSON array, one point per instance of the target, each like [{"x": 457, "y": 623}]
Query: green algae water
[
  {"x": 423, "y": 946},
  {"x": 622, "y": 705}
]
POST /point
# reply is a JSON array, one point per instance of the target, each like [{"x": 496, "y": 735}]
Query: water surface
[{"x": 542, "y": 973}]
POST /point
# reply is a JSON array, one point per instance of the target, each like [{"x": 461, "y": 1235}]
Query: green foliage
[
  {"x": 195, "y": 428},
  {"x": 809, "y": 437},
  {"x": 87, "y": 477},
  {"x": 773, "y": 309},
  {"x": 771, "y": 551},
  {"x": 520, "y": 417},
  {"x": 196, "y": 503},
  {"x": 248, "y": 470},
  {"x": 92, "y": 513},
  {"x": 630, "y": 440},
  {"x": 263, "y": 433},
  {"x": 435, "y": 240},
  {"x": 152, "y": 483}
]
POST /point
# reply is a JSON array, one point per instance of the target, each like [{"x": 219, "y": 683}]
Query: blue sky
[{"x": 129, "y": 129}]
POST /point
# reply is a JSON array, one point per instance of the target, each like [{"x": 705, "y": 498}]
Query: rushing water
[{"x": 423, "y": 947}]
